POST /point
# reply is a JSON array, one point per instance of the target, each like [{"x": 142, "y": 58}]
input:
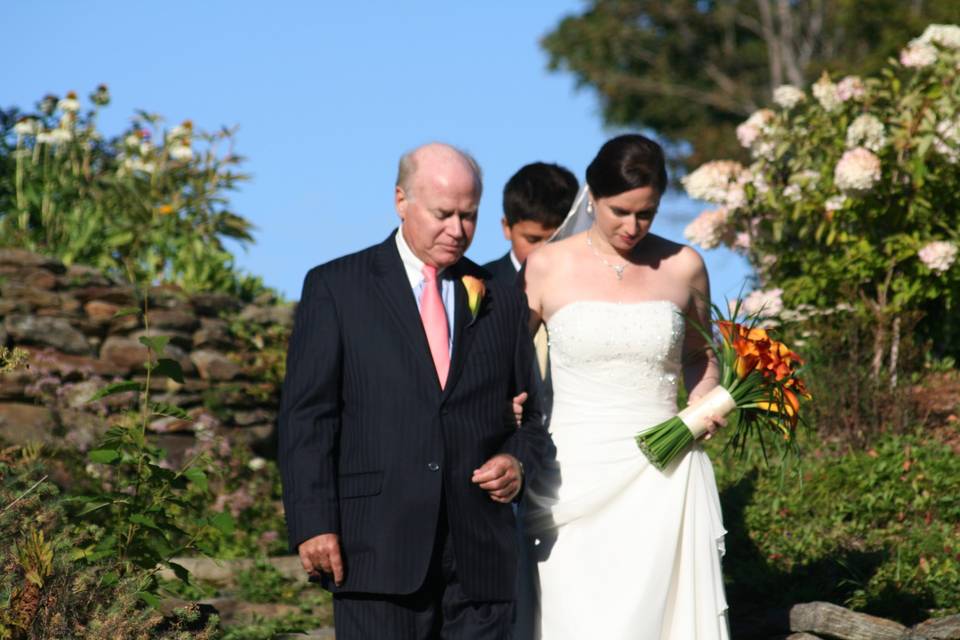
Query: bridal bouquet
[{"x": 759, "y": 380}]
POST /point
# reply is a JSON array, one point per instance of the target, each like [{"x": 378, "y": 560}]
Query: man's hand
[
  {"x": 516, "y": 407},
  {"x": 501, "y": 476},
  {"x": 322, "y": 553}
]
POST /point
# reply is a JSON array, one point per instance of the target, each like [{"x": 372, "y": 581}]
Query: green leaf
[
  {"x": 156, "y": 343},
  {"x": 138, "y": 518},
  {"x": 180, "y": 571},
  {"x": 169, "y": 410},
  {"x": 197, "y": 477},
  {"x": 109, "y": 579},
  {"x": 223, "y": 522},
  {"x": 126, "y": 311},
  {"x": 150, "y": 598},
  {"x": 115, "y": 388},
  {"x": 169, "y": 368},
  {"x": 103, "y": 456},
  {"x": 93, "y": 506}
]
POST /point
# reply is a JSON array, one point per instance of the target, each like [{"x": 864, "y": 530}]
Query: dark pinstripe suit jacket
[
  {"x": 369, "y": 442},
  {"x": 502, "y": 270}
]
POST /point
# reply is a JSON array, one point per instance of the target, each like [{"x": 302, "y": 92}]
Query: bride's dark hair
[{"x": 625, "y": 163}]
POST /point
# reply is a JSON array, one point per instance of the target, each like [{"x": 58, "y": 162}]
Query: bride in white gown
[{"x": 624, "y": 550}]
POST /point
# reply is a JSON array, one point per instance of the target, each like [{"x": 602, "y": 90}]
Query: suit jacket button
[{"x": 433, "y": 466}]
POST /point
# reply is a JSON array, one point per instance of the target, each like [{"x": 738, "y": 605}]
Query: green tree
[{"x": 689, "y": 69}]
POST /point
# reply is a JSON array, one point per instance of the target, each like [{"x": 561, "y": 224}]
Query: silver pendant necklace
[{"x": 617, "y": 268}]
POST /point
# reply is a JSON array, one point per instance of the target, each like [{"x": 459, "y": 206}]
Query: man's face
[
  {"x": 526, "y": 236},
  {"x": 440, "y": 214}
]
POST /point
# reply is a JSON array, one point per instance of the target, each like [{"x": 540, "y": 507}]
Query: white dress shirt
[{"x": 413, "y": 266}]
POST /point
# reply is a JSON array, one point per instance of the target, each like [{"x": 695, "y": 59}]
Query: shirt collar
[
  {"x": 513, "y": 259},
  {"x": 412, "y": 265}
]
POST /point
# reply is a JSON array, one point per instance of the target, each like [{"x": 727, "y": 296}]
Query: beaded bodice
[{"x": 607, "y": 354}]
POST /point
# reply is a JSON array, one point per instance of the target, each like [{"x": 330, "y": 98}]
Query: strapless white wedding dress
[{"x": 624, "y": 550}]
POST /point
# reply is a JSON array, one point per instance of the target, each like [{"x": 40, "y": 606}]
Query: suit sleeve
[
  {"x": 309, "y": 425},
  {"x": 530, "y": 442}
]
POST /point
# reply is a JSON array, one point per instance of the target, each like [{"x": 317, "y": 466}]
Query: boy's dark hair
[{"x": 540, "y": 192}]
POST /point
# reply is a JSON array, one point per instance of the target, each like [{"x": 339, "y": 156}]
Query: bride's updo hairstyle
[{"x": 625, "y": 163}]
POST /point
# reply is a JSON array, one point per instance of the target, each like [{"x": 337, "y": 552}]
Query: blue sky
[{"x": 327, "y": 96}]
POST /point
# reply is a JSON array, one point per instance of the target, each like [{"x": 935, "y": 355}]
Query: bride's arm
[
  {"x": 700, "y": 370},
  {"x": 533, "y": 276}
]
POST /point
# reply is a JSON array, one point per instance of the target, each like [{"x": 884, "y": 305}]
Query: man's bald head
[
  {"x": 437, "y": 196},
  {"x": 433, "y": 156}
]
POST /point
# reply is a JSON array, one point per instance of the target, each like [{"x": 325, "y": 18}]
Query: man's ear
[
  {"x": 400, "y": 202},
  {"x": 506, "y": 229}
]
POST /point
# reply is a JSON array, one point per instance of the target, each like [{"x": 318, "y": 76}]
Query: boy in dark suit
[{"x": 536, "y": 199}]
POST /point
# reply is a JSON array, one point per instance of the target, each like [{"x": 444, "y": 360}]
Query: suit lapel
[
  {"x": 394, "y": 289},
  {"x": 463, "y": 331}
]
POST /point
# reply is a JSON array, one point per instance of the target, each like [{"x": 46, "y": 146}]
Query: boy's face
[{"x": 526, "y": 236}]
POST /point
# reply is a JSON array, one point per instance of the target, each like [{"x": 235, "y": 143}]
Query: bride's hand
[
  {"x": 715, "y": 424},
  {"x": 516, "y": 407}
]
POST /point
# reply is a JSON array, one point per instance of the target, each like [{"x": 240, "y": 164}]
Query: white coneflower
[
  {"x": 60, "y": 136},
  {"x": 712, "y": 181},
  {"x": 826, "y": 93},
  {"x": 857, "y": 171},
  {"x": 708, "y": 229},
  {"x": 938, "y": 256},
  {"x": 70, "y": 104},
  {"x": 181, "y": 152},
  {"x": 132, "y": 141},
  {"x": 851, "y": 88},
  {"x": 100, "y": 97},
  {"x": 866, "y": 131},
  {"x": 917, "y": 54},
  {"x": 182, "y": 130},
  {"x": 945, "y": 35},
  {"x": 26, "y": 127},
  {"x": 788, "y": 96}
]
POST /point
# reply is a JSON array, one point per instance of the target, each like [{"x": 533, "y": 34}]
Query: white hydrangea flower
[
  {"x": 712, "y": 181},
  {"x": 788, "y": 96},
  {"x": 146, "y": 147},
  {"x": 183, "y": 130},
  {"x": 857, "y": 171},
  {"x": 765, "y": 304},
  {"x": 753, "y": 127},
  {"x": 757, "y": 179},
  {"x": 945, "y": 35},
  {"x": 851, "y": 88},
  {"x": 256, "y": 463},
  {"x": 938, "y": 256},
  {"x": 44, "y": 137},
  {"x": 134, "y": 165},
  {"x": 742, "y": 242},
  {"x": 835, "y": 203},
  {"x": 917, "y": 54},
  {"x": 947, "y": 142},
  {"x": 826, "y": 93},
  {"x": 708, "y": 229},
  {"x": 26, "y": 127},
  {"x": 793, "y": 193},
  {"x": 181, "y": 152},
  {"x": 866, "y": 131}
]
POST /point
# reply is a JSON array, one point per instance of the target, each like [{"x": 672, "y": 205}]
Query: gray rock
[
  {"x": 53, "y": 332},
  {"x": 29, "y": 297},
  {"x": 124, "y": 353},
  {"x": 23, "y": 258},
  {"x": 119, "y": 295},
  {"x": 824, "y": 618},
  {"x": 178, "y": 319},
  {"x": 257, "y": 416},
  {"x": 38, "y": 279},
  {"x": 213, "y": 304},
  {"x": 69, "y": 366},
  {"x": 213, "y": 365},
  {"x": 166, "y": 296},
  {"x": 947, "y": 628},
  {"x": 277, "y": 315},
  {"x": 14, "y": 383},
  {"x": 21, "y": 423},
  {"x": 79, "y": 275},
  {"x": 213, "y": 333}
]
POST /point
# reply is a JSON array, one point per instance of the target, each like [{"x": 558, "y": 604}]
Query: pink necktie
[{"x": 435, "y": 323}]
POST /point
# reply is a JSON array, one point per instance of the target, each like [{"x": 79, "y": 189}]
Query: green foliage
[
  {"x": 148, "y": 204},
  {"x": 689, "y": 70},
  {"x": 871, "y": 529}
]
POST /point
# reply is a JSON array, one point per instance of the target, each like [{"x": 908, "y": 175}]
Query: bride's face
[{"x": 624, "y": 219}]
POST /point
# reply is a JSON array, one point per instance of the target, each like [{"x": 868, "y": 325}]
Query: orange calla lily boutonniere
[{"x": 475, "y": 291}]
